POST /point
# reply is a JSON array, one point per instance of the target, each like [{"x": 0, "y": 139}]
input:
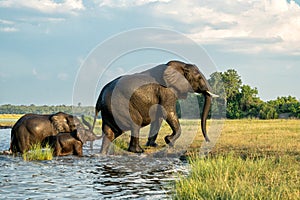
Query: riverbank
[
  {"x": 8, "y": 120},
  {"x": 252, "y": 159}
]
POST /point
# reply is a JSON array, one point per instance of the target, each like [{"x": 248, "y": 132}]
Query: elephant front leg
[
  {"x": 134, "y": 141},
  {"x": 78, "y": 149},
  {"x": 173, "y": 122},
  {"x": 91, "y": 145},
  {"x": 57, "y": 151},
  {"x": 154, "y": 128}
]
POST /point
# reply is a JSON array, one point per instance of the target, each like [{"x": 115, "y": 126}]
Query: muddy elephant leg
[
  {"x": 57, "y": 151},
  {"x": 173, "y": 122},
  {"x": 91, "y": 145},
  {"x": 134, "y": 141},
  {"x": 108, "y": 137},
  {"x": 154, "y": 128},
  {"x": 23, "y": 143},
  {"x": 78, "y": 149}
]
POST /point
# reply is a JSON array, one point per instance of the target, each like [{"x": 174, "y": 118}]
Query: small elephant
[
  {"x": 69, "y": 143},
  {"x": 133, "y": 101},
  {"x": 34, "y": 128}
]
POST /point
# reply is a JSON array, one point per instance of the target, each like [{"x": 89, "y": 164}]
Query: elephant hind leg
[
  {"x": 134, "y": 141},
  {"x": 23, "y": 144},
  {"x": 14, "y": 145},
  {"x": 108, "y": 137}
]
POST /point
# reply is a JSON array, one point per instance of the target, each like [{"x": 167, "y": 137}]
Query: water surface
[{"x": 90, "y": 177}]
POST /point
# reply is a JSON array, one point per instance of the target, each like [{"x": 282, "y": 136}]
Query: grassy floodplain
[
  {"x": 253, "y": 159},
  {"x": 8, "y": 120}
]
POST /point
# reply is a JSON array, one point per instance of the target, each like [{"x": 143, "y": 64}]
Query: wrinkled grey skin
[
  {"x": 69, "y": 143},
  {"x": 133, "y": 101},
  {"x": 33, "y": 128}
]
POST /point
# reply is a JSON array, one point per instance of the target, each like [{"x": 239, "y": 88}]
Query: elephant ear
[
  {"x": 60, "y": 123},
  {"x": 175, "y": 79},
  {"x": 73, "y": 123}
]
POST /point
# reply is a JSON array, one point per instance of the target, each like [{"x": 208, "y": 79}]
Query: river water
[{"x": 93, "y": 176}]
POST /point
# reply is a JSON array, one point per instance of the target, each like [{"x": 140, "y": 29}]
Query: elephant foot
[
  {"x": 7, "y": 152},
  {"x": 135, "y": 149},
  {"x": 151, "y": 144},
  {"x": 168, "y": 141},
  {"x": 103, "y": 151}
]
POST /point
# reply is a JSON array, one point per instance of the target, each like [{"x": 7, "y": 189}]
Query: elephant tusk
[
  {"x": 208, "y": 92},
  {"x": 212, "y": 94}
]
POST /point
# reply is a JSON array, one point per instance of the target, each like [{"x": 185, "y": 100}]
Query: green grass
[
  {"x": 253, "y": 159},
  {"x": 231, "y": 177},
  {"x": 37, "y": 152}
]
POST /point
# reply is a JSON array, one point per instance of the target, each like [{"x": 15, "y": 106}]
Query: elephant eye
[{"x": 199, "y": 77}]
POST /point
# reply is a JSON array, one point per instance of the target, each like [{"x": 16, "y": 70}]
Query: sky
[{"x": 46, "y": 45}]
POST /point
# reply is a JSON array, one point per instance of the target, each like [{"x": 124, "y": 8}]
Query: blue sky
[{"x": 44, "y": 44}]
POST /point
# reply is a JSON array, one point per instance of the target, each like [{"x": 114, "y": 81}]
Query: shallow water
[{"x": 89, "y": 177}]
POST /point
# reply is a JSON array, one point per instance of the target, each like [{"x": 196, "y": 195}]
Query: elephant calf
[{"x": 69, "y": 143}]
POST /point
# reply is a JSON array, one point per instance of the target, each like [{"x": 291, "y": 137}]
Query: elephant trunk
[
  {"x": 206, "y": 107},
  {"x": 86, "y": 123},
  {"x": 95, "y": 118}
]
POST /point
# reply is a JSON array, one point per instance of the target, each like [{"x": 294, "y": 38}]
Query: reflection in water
[
  {"x": 89, "y": 177},
  {"x": 135, "y": 177}
]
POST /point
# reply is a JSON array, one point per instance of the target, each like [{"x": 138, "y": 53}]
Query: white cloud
[
  {"x": 46, "y": 6},
  {"x": 252, "y": 26},
  {"x": 245, "y": 26},
  {"x": 8, "y": 29},
  {"x": 7, "y": 22},
  {"x": 7, "y": 26},
  {"x": 241, "y": 26},
  {"x": 125, "y": 4}
]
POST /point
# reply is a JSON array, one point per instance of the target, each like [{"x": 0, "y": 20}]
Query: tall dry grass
[
  {"x": 253, "y": 159},
  {"x": 8, "y": 120}
]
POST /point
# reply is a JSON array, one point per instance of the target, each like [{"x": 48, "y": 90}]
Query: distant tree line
[
  {"x": 45, "y": 109},
  {"x": 236, "y": 100}
]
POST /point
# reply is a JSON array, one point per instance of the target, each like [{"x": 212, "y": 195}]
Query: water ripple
[{"x": 90, "y": 177}]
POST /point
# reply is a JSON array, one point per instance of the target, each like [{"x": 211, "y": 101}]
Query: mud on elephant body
[
  {"x": 131, "y": 102},
  {"x": 34, "y": 128}
]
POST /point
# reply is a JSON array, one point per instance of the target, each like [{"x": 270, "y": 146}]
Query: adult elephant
[
  {"x": 34, "y": 128},
  {"x": 134, "y": 101}
]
